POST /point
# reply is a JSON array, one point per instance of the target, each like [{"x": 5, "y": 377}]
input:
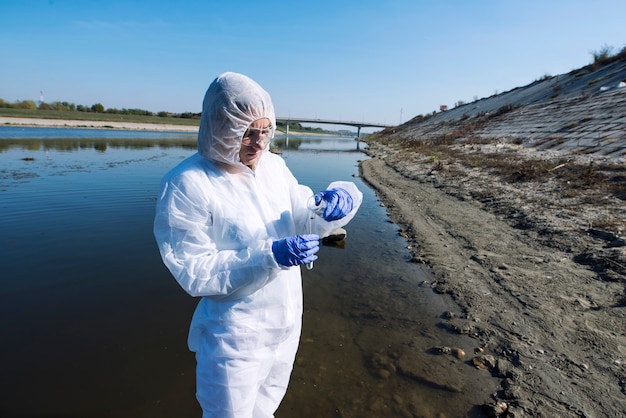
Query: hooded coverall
[{"x": 216, "y": 220}]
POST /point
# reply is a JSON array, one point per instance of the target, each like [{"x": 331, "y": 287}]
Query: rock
[
  {"x": 617, "y": 242},
  {"x": 603, "y": 235},
  {"x": 461, "y": 327},
  {"x": 495, "y": 410},
  {"x": 511, "y": 390},
  {"x": 458, "y": 353},
  {"x": 506, "y": 369},
  {"x": 484, "y": 362},
  {"x": 336, "y": 238},
  {"x": 448, "y": 315},
  {"x": 441, "y": 350}
]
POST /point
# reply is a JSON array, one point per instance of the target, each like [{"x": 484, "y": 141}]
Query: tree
[
  {"x": 97, "y": 108},
  {"x": 58, "y": 106},
  {"x": 68, "y": 106},
  {"x": 25, "y": 104}
]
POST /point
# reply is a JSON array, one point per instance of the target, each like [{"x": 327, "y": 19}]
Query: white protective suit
[{"x": 215, "y": 223}]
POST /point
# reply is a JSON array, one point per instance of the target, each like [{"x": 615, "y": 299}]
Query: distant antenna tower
[{"x": 40, "y": 97}]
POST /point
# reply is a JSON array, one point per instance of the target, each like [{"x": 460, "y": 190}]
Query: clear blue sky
[{"x": 374, "y": 60}]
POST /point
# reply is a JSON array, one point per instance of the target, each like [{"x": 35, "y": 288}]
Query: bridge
[{"x": 356, "y": 124}]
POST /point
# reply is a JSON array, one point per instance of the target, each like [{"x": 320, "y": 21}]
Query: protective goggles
[{"x": 257, "y": 136}]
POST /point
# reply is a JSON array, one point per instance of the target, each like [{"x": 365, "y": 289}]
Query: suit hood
[{"x": 232, "y": 102}]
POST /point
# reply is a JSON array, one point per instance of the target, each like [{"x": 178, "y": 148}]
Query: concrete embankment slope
[{"x": 583, "y": 112}]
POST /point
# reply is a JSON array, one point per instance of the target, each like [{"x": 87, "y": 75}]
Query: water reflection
[
  {"x": 98, "y": 144},
  {"x": 60, "y": 139},
  {"x": 89, "y": 312}
]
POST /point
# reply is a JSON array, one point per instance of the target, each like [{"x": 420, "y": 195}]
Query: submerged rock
[
  {"x": 337, "y": 238},
  {"x": 337, "y": 235}
]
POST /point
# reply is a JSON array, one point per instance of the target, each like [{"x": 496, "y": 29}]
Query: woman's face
[{"x": 254, "y": 142}]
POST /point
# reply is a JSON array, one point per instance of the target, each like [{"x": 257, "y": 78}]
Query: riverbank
[
  {"x": 539, "y": 277},
  {"x": 515, "y": 203},
  {"x": 67, "y": 123}
]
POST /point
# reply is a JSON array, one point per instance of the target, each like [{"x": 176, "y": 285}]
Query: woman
[{"x": 232, "y": 227}]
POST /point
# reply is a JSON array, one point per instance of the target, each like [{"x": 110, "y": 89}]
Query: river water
[{"x": 94, "y": 325}]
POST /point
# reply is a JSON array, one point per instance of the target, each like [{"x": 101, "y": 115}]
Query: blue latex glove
[
  {"x": 338, "y": 203},
  {"x": 296, "y": 250}
]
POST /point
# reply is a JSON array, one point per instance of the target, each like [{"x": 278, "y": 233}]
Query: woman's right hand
[{"x": 296, "y": 250}]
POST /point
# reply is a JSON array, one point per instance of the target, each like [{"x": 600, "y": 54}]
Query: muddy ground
[{"x": 539, "y": 273}]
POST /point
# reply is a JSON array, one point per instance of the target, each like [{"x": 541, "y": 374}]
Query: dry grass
[
  {"x": 582, "y": 190},
  {"x": 574, "y": 178}
]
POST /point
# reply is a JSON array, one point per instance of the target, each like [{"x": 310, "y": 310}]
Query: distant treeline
[
  {"x": 99, "y": 108},
  {"x": 95, "y": 108},
  {"x": 296, "y": 126},
  {"x": 66, "y": 110}
]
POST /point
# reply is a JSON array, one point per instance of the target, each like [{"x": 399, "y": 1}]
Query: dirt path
[{"x": 555, "y": 329}]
